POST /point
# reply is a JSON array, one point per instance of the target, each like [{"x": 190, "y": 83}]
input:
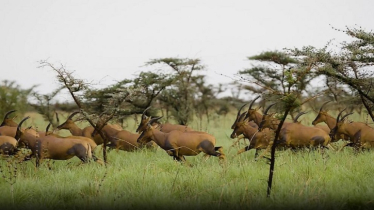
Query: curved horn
[
  {"x": 145, "y": 111},
  {"x": 6, "y": 116},
  {"x": 346, "y": 115},
  {"x": 267, "y": 109},
  {"x": 47, "y": 128},
  {"x": 19, "y": 132},
  {"x": 298, "y": 115},
  {"x": 72, "y": 115},
  {"x": 324, "y": 105},
  {"x": 340, "y": 113},
  {"x": 253, "y": 101},
  {"x": 8, "y": 113},
  {"x": 244, "y": 115},
  {"x": 154, "y": 120},
  {"x": 237, "y": 116}
]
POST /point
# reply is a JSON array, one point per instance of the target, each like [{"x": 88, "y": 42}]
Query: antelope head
[
  {"x": 251, "y": 113},
  {"x": 239, "y": 126},
  {"x": 69, "y": 123},
  {"x": 238, "y": 116},
  {"x": 339, "y": 124},
  {"x": 321, "y": 117},
  {"x": 146, "y": 135},
  {"x": 267, "y": 120},
  {"x": 143, "y": 121},
  {"x": 7, "y": 121}
]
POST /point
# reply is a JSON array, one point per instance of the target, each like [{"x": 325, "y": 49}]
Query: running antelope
[
  {"x": 257, "y": 139},
  {"x": 323, "y": 116},
  {"x": 179, "y": 144},
  {"x": 294, "y": 134},
  {"x": 54, "y": 147},
  {"x": 165, "y": 127},
  {"x": 361, "y": 135}
]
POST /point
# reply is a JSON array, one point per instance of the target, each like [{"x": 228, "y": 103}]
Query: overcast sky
[{"x": 106, "y": 41}]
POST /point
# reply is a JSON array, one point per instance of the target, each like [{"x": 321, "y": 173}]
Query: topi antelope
[
  {"x": 258, "y": 139},
  {"x": 253, "y": 114},
  {"x": 70, "y": 125},
  {"x": 55, "y": 147},
  {"x": 294, "y": 134},
  {"x": 123, "y": 139},
  {"x": 323, "y": 116},
  {"x": 360, "y": 134},
  {"x": 179, "y": 144},
  {"x": 165, "y": 127}
]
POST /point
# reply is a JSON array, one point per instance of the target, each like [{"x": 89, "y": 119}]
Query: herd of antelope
[
  {"x": 179, "y": 141},
  {"x": 260, "y": 130}
]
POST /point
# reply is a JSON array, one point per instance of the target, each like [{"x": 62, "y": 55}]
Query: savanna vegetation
[{"x": 305, "y": 177}]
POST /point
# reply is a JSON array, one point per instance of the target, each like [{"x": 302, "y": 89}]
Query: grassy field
[{"x": 152, "y": 180}]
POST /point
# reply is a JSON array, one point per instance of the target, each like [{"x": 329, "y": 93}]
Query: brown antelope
[
  {"x": 55, "y": 147},
  {"x": 179, "y": 144},
  {"x": 123, "y": 139},
  {"x": 165, "y": 127},
  {"x": 323, "y": 116},
  {"x": 361, "y": 135},
  {"x": 8, "y": 131},
  {"x": 253, "y": 114},
  {"x": 7, "y": 121},
  {"x": 70, "y": 125},
  {"x": 239, "y": 117},
  {"x": 258, "y": 139},
  {"x": 8, "y": 145},
  {"x": 294, "y": 134}
]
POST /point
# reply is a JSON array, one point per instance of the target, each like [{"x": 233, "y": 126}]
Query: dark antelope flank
[{"x": 55, "y": 147}]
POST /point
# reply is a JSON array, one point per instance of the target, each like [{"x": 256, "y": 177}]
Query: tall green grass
[{"x": 152, "y": 180}]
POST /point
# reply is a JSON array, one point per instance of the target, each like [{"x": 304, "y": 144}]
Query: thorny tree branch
[{"x": 74, "y": 85}]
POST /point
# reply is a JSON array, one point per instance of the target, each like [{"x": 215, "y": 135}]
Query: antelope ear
[{"x": 257, "y": 108}]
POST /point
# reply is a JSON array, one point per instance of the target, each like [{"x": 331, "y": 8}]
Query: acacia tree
[
  {"x": 12, "y": 96},
  {"x": 277, "y": 73},
  {"x": 284, "y": 81},
  {"x": 44, "y": 105},
  {"x": 351, "y": 66},
  {"x": 76, "y": 88},
  {"x": 180, "y": 97},
  {"x": 143, "y": 90}
]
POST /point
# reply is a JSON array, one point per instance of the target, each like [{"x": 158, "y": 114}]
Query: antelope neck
[
  {"x": 159, "y": 137},
  {"x": 330, "y": 121},
  {"x": 75, "y": 130}
]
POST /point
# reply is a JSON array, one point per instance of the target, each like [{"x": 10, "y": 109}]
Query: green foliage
[
  {"x": 141, "y": 92},
  {"x": 187, "y": 89},
  {"x": 46, "y": 107},
  {"x": 351, "y": 66},
  {"x": 275, "y": 57},
  {"x": 278, "y": 73},
  {"x": 12, "y": 96}
]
